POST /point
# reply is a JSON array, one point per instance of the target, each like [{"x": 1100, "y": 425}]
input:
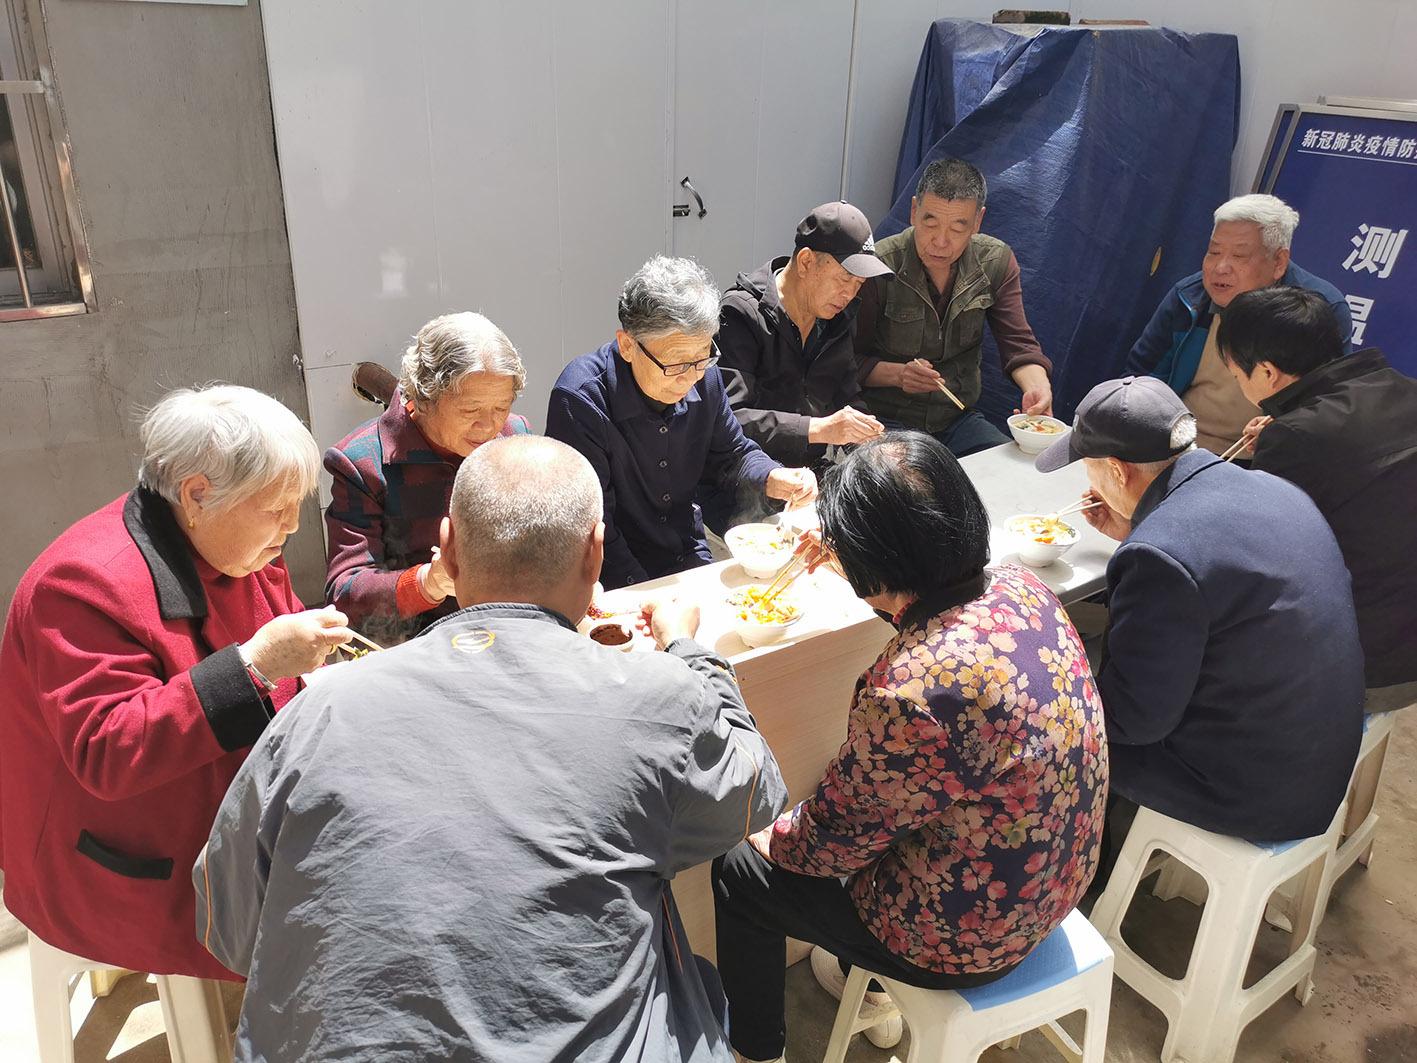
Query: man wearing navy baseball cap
[{"x": 1232, "y": 676}]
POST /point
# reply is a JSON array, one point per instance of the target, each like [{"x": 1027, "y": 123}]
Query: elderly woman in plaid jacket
[{"x": 392, "y": 476}]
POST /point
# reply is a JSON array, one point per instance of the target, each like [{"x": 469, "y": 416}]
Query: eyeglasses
[{"x": 703, "y": 365}]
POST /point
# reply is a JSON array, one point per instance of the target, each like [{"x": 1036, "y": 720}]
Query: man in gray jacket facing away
[{"x": 461, "y": 848}]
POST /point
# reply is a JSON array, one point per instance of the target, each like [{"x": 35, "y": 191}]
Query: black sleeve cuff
[{"x": 236, "y": 711}]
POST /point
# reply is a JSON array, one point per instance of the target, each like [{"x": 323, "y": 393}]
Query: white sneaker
[{"x": 888, "y": 1028}]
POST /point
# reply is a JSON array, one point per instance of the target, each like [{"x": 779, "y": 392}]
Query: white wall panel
[
  {"x": 443, "y": 155},
  {"x": 759, "y": 113}
]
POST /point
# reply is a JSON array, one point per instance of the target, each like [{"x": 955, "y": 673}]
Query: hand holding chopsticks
[{"x": 924, "y": 369}]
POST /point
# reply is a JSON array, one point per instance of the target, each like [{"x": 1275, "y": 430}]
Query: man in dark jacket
[
  {"x": 493, "y": 881},
  {"x": 1233, "y": 676},
  {"x": 650, "y": 413},
  {"x": 785, "y": 338},
  {"x": 924, "y": 326},
  {"x": 1249, "y": 249},
  {"x": 1345, "y": 430},
  {"x": 787, "y": 357}
]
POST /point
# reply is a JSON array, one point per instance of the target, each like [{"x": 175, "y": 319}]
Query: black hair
[
  {"x": 951, "y": 178},
  {"x": 902, "y": 517},
  {"x": 1295, "y": 329}
]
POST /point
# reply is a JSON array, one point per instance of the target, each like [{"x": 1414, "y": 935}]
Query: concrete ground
[{"x": 1364, "y": 1009}]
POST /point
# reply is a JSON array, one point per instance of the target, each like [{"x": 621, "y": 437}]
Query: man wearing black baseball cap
[
  {"x": 1232, "y": 678},
  {"x": 785, "y": 338}
]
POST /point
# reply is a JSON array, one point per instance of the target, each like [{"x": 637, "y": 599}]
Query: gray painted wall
[{"x": 168, "y": 109}]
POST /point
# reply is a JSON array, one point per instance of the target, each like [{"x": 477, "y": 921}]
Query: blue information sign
[{"x": 1352, "y": 176}]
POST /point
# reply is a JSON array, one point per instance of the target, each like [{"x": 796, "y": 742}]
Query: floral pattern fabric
[{"x": 966, "y": 807}]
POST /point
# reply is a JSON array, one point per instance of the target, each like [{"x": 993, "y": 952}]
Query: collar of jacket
[
  {"x": 400, "y": 438},
  {"x": 501, "y": 610},
  {"x": 627, "y": 401},
  {"x": 919, "y": 612},
  {"x": 149, "y": 519},
  {"x": 1182, "y": 469},
  {"x": 968, "y": 271},
  {"x": 1192, "y": 291},
  {"x": 761, "y": 284},
  {"x": 1339, "y": 371}
]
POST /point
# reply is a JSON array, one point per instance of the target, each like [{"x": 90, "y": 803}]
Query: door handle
[{"x": 682, "y": 210}]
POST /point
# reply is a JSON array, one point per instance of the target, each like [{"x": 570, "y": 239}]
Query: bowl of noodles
[
  {"x": 761, "y": 549},
  {"x": 1035, "y": 433},
  {"x": 1040, "y": 539},
  {"x": 758, "y": 621}
]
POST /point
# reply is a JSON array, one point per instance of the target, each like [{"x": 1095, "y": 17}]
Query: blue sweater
[
  {"x": 650, "y": 463},
  {"x": 1171, "y": 345},
  {"x": 1233, "y": 684}
]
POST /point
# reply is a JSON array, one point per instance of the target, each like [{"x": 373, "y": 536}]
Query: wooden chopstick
[
  {"x": 772, "y": 587},
  {"x": 1078, "y": 507},
  {"x": 368, "y": 642},
  {"x": 774, "y": 594},
  {"x": 951, "y": 395},
  {"x": 803, "y": 564},
  {"x": 1233, "y": 450}
]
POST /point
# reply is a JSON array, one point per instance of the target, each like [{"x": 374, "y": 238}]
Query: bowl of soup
[
  {"x": 1040, "y": 539},
  {"x": 1035, "y": 433},
  {"x": 758, "y": 620},
  {"x": 612, "y": 633},
  {"x": 761, "y": 549}
]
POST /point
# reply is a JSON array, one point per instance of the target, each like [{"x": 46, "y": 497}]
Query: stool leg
[
  {"x": 195, "y": 1019},
  {"x": 1206, "y": 1030},
  {"x": 852, "y": 997},
  {"x": 54, "y": 1033},
  {"x": 102, "y": 982}
]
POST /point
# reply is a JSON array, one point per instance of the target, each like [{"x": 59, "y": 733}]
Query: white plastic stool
[
  {"x": 192, "y": 1010},
  {"x": 1356, "y": 842},
  {"x": 1207, "y": 1010},
  {"x": 1070, "y": 970}
]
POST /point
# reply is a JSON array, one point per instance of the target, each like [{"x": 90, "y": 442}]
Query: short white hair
[
  {"x": 450, "y": 347},
  {"x": 522, "y": 509},
  {"x": 670, "y": 296},
  {"x": 238, "y": 438},
  {"x": 1183, "y": 441},
  {"x": 1277, "y": 219}
]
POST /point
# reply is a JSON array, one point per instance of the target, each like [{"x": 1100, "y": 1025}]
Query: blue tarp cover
[{"x": 1106, "y": 152}]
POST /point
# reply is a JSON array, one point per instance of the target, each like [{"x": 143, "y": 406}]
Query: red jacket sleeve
[{"x": 120, "y": 726}]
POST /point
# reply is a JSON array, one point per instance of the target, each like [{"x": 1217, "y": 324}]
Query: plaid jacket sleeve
[{"x": 356, "y": 579}]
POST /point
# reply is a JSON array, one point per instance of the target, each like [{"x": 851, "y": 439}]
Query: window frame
[{"x": 63, "y": 284}]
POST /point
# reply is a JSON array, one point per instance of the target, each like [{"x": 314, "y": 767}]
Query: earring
[{"x": 191, "y": 523}]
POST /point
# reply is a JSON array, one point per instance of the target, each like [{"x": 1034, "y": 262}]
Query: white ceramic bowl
[
  {"x": 613, "y": 629},
  {"x": 1031, "y": 440},
  {"x": 1030, "y": 550},
  {"x": 751, "y": 631},
  {"x": 750, "y": 545}
]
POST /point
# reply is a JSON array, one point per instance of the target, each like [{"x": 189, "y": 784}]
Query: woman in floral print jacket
[{"x": 961, "y": 821}]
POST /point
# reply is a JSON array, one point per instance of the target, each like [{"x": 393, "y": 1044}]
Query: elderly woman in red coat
[{"x": 145, "y": 651}]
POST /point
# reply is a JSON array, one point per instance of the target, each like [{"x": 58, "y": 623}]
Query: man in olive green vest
[{"x": 923, "y": 326}]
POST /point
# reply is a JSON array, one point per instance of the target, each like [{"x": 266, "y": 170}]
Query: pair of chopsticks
[
  {"x": 370, "y": 643},
  {"x": 1077, "y": 507},
  {"x": 941, "y": 385},
  {"x": 1235, "y": 449},
  {"x": 790, "y": 571}
]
